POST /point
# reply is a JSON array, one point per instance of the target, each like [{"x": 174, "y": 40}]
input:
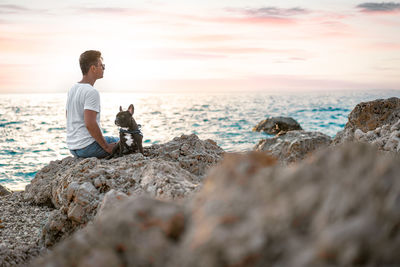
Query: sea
[{"x": 33, "y": 126}]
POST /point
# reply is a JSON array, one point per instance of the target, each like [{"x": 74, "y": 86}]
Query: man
[{"x": 84, "y": 137}]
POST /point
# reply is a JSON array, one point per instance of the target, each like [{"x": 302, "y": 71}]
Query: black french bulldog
[{"x": 130, "y": 136}]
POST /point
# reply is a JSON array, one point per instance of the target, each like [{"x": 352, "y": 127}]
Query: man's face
[{"x": 99, "y": 69}]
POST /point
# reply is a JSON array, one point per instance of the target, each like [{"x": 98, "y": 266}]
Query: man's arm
[{"x": 94, "y": 130}]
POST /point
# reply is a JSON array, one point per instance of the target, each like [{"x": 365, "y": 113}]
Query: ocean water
[{"x": 32, "y": 126}]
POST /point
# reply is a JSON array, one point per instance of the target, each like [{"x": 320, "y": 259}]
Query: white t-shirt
[{"x": 80, "y": 97}]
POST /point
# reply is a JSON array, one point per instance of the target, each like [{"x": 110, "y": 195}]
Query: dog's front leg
[
  {"x": 138, "y": 140},
  {"x": 121, "y": 148}
]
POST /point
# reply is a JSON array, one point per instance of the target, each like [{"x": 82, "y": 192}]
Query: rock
[
  {"x": 338, "y": 208},
  {"x": 226, "y": 223},
  {"x": 57, "y": 227},
  {"x": 39, "y": 189},
  {"x": 294, "y": 145},
  {"x": 385, "y": 138},
  {"x": 77, "y": 188},
  {"x": 373, "y": 122},
  {"x": 139, "y": 232},
  {"x": 111, "y": 199},
  {"x": 192, "y": 154},
  {"x": 4, "y": 191},
  {"x": 277, "y": 125},
  {"x": 79, "y": 192}
]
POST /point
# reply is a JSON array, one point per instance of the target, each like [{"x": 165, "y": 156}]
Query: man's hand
[{"x": 109, "y": 147}]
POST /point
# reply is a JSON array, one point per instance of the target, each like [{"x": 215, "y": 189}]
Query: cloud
[
  {"x": 384, "y": 7},
  {"x": 274, "y": 12},
  {"x": 254, "y": 20},
  {"x": 200, "y": 38},
  {"x": 20, "y": 10},
  {"x": 207, "y": 53},
  {"x": 12, "y": 9},
  {"x": 109, "y": 11},
  {"x": 183, "y": 54},
  {"x": 264, "y": 15},
  {"x": 102, "y": 10}
]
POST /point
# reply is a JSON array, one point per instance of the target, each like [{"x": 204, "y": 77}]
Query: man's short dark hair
[{"x": 89, "y": 58}]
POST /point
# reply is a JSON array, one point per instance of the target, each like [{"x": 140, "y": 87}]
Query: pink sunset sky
[{"x": 201, "y": 46}]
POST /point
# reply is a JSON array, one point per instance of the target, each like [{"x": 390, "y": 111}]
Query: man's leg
[{"x": 95, "y": 150}]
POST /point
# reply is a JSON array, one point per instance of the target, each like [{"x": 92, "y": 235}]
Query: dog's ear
[
  {"x": 131, "y": 109},
  {"x": 120, "y": 108}
]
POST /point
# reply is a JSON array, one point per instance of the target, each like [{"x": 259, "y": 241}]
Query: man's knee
[{"x": 111, "y": 139}]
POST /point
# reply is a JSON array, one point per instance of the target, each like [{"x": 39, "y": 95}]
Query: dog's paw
[{"x": 109, "y": 157}]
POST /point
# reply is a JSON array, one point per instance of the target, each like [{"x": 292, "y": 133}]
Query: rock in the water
[
  {"x": 139, "y": 232},
  {"x": 375, "y": 122},
  {"x": 340, "y": 208},
  {"x": 277, "y": 125},
  {"x": 4, "y": 191},
  {"x": 294, "y": 145},
  {"x": 77, "y": 188}
]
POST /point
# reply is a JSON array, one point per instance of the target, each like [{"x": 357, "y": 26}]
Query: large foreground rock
[
  {"x": 375, "y": 122},
  {"x": 143, "y": 232},
  {"x": 277, "y": 125},
  {"x": 339, "y": 208},
  {"x": 78, "y": 188},
  {"x": 294, "y": 145}
]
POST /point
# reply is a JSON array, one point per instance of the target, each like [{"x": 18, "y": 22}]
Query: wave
[{"x": 10, "y": 123}]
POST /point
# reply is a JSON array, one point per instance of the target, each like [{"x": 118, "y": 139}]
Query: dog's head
[{"x": 125, "y": 118}]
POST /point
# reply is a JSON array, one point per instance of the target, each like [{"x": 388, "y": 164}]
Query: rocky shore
[
  {"x": 20, "y": 227},
  {"x": 188, "y": 203}
]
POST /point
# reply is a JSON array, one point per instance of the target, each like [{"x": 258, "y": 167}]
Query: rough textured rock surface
[
  {"x": 20, "y": 226},
  {"x": 192, "y": 154},
  {"x": 277, "y": 125},
  {"x": 4, "y": 191},
  {"x": 77, "y": 188},
  {"x": 139, "y": 232},
  {"x": 374, "y": 120},
  {"x": 339, "y": 208},
  {"x": 385, "y": 138},
  {"x": 294, "y": 145},
  {"x": 39, "y": 189}
]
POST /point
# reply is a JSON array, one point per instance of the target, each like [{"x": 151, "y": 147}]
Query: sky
[{"x": 201, "y": 46}]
